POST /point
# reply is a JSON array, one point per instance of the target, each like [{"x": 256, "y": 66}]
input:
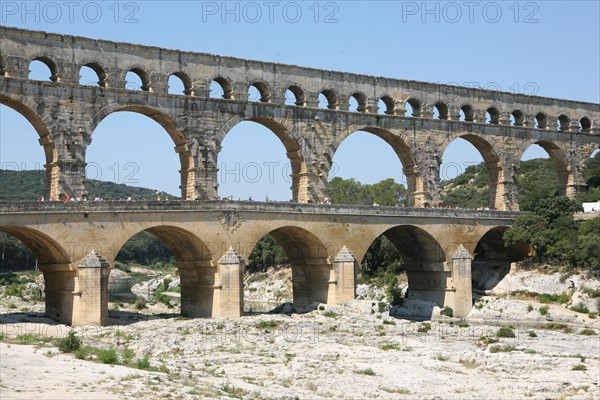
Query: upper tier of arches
[{"x": 283, "y": 85}]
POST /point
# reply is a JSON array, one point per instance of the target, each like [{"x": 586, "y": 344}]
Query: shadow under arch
[
  {"x": 423, "y": 259},
  {"x": 27, "y": 108},
  {"x": 60, "y": 278},
  {"x": 310, "y": 261},
  {"x": 186, "y": 159},
  {"x": 491, "y": 161},
  {"x": 492, "y": 259},
  {"x": 198, "y": 273},
  {"x": 558, "y": 157},
  {"x": 404, "y": 153},
  {"x": 291, "y": 142}
]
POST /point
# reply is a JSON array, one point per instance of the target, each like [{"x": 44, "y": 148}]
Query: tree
[
  {"x": 385, "y": 193},
  {"x": 551, "y": 230}
]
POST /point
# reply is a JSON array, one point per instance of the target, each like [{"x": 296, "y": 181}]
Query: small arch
[
  {"x": 467, "y": 113},
  {"x": 492, "y": 116},
  {"x": 541, "y": 120},
  {"x": 585, "y": 124},
  {"x": 220, "y": 88},
  {"x": 92, "y": 74},
  {"x": 294, "y": 95},
  {"x": 179, "y": 83},
  {"x": 258, "y": 92},
  {"x": 517, "y": 118},
  {"x": 137, "y": 79},
  {"x": 440, "y": 110},
  {"x": 413, "y": 107},
  {"x": 40, "y": 66},
  {"x": 386, "y": 105},
  {"x": 563, "y": 122},
  {"x": 328, "y": 99},
  {"x": 357, "y": 102}
]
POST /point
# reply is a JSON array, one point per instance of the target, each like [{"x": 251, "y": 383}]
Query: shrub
[
  {"x": 544, "y": 310},
  {"x": 70, "y": 343},
  {"x": 592, "y": 314},
  {"x": 330, "y": 314},
  {"x": 267, "y": 324},
  {"x": 554, "y": 326},
  {"x": 425, "y": 327},
  {"x": 529, "y": 308},
  {"x": 532, "y": 334},
  {"x": 394, "y": 293},
  {"x": 580, "y": 308},
  {"x": 587, "y": 332},
  {"x": 108, "y": 356},
  {"x": 487, "y": 340},
  {"x": 366, "y": 371},
  {"x": 593, "y": 293},
  {"x": 553, "y": 298},
  {"x": 501, "y": 349},
  {"x": 140, "y": 303},
  {"x": 505, "y": 332},
  {"x": 448, "y": 312},
  {"x": 142, "y": 363},
  {"x": 579, "y": 367}
]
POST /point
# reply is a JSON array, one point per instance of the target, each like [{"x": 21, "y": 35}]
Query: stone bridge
[
  {"x": 65, "y": 113},
  {"x": 76, "y": 244}
]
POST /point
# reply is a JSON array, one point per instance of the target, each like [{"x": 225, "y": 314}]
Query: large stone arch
[
  {"x": 558, "y": 154},
  {"x": 55, "y": 262},
  {"x": 198, "y": 273},
  {"x": 424, "y": 259},
  {"x": 489, "y": 150},
  {"x": 43, "y": 125},
  {"x": 399, "y": 144},
  {"x": 186, "y": 158},
  {"x": 287, "y": 135},
  {"x": 313, "y": 275},
  {"x": 492, "y": 258}
]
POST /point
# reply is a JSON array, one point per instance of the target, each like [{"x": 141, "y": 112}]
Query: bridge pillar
[
  {"x": 198, "y": 289},
  {"x": 345, "y": 268},
  {"x": 428, "y": 285},
  {"x": 204, "y": 173},
  {"x": 231, "y": 275},
  {"x": 60, "y": 282},
  {"x": 312, "y": 283},
  {"x": 91, "y": 293},
  {"x": 71, "y": 142},
  {"x": 461, "y": 276}
]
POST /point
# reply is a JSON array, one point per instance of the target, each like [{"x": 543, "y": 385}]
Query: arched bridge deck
[{"x": 76, "y": 244}]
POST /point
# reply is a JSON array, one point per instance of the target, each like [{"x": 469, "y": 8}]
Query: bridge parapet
[{"x": 58, "y": 207}]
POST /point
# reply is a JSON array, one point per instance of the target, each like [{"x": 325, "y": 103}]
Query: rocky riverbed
[{"x": 506, "y": 349}]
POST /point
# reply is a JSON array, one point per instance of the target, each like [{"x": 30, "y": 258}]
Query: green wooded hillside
[{"x": 28, "y": 185}]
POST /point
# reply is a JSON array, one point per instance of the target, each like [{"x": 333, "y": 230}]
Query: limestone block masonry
[
  {"x": 76, "y": 244},
  {"x": 65, "y": 114}
]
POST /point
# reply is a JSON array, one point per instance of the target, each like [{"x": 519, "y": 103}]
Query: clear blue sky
[{"x": 553, "y": 44}]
